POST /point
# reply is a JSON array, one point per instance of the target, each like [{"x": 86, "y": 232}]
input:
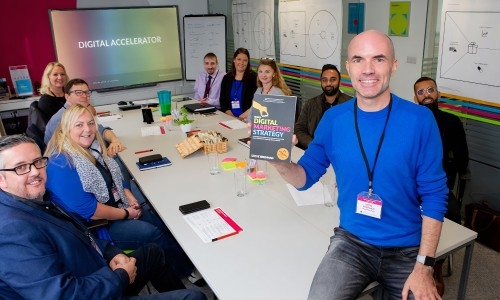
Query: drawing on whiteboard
[
  {"x": 322, "y": 35},
  {"x": 470, "y": 49},
  {"x": 293, "y": 33},
  {"x": 263, "y": 31},
  {"x": 202, "y": 34},
  {"x": 242, "y": 21},
  {"x": 253, "y": 26}
]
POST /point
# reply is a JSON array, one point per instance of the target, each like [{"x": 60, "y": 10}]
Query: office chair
[{"x": 37, "y": 121}]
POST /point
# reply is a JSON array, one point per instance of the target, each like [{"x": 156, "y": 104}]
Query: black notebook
[
  {"x": 153, "y": 165},
  {"x": 200, "y": 108}
]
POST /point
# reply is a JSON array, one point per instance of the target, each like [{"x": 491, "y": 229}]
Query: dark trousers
[{"x": 151, "y": 266}]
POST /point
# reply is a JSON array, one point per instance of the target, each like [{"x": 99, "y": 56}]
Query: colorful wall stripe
[
  {"x": 307, "y": 75},
  {"x": 478, "y": 110},
  {"x": 482, "y": 111}
]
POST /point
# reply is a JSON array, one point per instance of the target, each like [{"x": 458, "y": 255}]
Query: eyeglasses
[
  {"x": 39, "y": 163},
  {"x": 80, "y": 93},
  {"x": 267, "y": 58},
  {"x": 429, "y": 90}
]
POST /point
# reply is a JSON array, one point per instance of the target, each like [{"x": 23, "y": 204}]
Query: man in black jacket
[
  {"x": 455, "y": 152},
  {"x": 314, "y": 108}
]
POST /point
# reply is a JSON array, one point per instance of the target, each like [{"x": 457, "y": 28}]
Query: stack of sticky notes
[
  {"x": 230, "y": 163},
  {"x": 257, "y": 176}
]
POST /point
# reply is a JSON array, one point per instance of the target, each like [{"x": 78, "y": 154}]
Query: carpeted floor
[{"x": 484, "y": 277}]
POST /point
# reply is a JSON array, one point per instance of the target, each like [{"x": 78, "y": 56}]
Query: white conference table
[{"x": 276, "y": 255}]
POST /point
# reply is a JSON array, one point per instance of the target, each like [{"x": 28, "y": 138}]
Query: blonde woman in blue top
[{"x": 85, "y": 180}]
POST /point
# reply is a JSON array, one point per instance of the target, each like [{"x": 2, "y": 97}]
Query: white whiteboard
[{"x": 203, "y": 34}]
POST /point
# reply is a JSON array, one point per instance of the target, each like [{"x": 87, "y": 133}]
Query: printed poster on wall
[
  {"x": 469, "y": 52},
  {"x": 356, "y": 18},
  {"x": 21, "y": 80},
  {"x": 399, "y": 18}
]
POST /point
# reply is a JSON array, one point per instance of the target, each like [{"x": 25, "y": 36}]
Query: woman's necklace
[
  {"x": 268, "y": 90},
  {"x": 54, "y": 94}
]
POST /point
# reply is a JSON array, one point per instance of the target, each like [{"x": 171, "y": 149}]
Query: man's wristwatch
[{"x": 426, "y": 260}]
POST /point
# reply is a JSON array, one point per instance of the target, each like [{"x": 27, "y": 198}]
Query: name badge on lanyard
[
  {"x": 369, "y": 205},
  {"x": 235, "y": 104},
  {"x": 115, "y": 192}
]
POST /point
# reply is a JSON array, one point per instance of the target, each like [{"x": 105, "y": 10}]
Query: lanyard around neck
[
  {"x": 213, "y": 78},
  {"x": 370, "y": 172},
  {"x": 236, "y": 89}
]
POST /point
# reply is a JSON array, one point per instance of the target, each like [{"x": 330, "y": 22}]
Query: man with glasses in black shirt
[{"x": 455, "y": 153}]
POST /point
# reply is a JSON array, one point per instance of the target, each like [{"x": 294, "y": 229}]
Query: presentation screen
[{"x": 116, "y": 48}]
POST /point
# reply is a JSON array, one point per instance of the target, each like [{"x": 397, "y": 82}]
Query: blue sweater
[{"x": 408, "y": 170}]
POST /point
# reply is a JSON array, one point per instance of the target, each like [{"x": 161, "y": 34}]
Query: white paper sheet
[
  {"x": 109, "y": 117},
  {"x": 152, "y": 130},
  {"x": 210, "y": 225},
  {"x": 234, "y": 124},
  {"x": 314, "y": 195}
]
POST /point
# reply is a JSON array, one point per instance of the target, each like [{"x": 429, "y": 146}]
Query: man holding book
[{"x": 386, "y": 153}]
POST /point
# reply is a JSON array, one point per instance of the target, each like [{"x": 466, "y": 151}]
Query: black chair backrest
[{"x": 37, "y": 121}]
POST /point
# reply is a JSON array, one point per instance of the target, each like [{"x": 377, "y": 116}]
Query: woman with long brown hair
[{"x": 238, "y": 86}]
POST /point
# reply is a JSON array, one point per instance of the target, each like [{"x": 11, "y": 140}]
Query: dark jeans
[
  {"x": 151, "y": 266},
  {"x": 350, "y": 265},
  {"x": 132, "y": 234}
]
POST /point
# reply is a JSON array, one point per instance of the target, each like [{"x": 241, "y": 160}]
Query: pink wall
[{"x": 26, "y": 38}]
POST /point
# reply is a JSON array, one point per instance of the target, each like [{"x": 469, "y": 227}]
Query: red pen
[
  {"x": 224, "y": 236},
  {"x": 225, "y": 125},
  {"x": 144, "y": 151}
]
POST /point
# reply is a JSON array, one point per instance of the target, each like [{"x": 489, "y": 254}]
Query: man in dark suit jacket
[{"x": 47, "y": 254}]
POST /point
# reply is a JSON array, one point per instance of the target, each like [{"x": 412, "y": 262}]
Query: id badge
[
  {"x": 369, "y": 205},
  {"x": 235, "y": 104},
  {"x": 116, "y": 195}
]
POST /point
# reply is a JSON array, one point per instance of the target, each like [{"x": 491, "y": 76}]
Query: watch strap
[{"x": 426, "y": 260}]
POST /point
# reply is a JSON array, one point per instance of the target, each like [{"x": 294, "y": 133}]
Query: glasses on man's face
[
  {"x": 39, "y": 163},
  {"x": 429, "y": 90},
  {"x": 80, "y": 93}
]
